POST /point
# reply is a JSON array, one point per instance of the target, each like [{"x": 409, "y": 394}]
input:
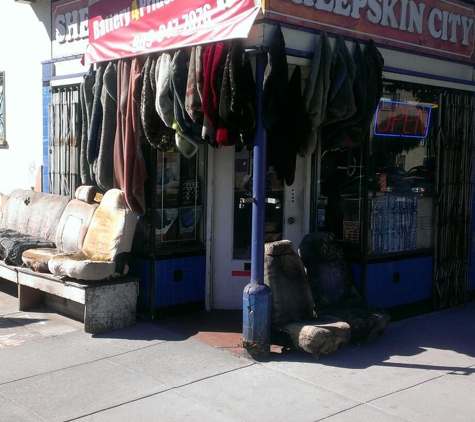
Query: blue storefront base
[
  {"x": 179, "y": 284},
  {"x": 395, "y": 283}
]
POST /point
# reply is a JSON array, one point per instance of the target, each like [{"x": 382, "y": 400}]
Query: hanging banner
[
  {"x": 123, "y": 28},
  {"x": 434, "y": 27}
]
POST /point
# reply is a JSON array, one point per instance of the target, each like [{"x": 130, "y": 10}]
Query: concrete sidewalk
[{"x": 421, "y": 370}]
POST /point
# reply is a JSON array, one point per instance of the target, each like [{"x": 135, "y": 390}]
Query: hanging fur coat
[
  {"x": 179, "y": 75},
  {"x": 359, "y": 89},
  {"x": 341, "y": 100},
  {"x": 288, "y": 131},
  {"x": 194, "y": 88},
  {"x": 374, "y": 63},
  {"x": 276, "y": 76},
  {"x": 284, "y": 114},
  {"x": 316, "y": 93},
  {"x": 236, "y": 107},
  {"x": 129, "y": 166},
  {"x": 86, "y": 99},
  {"x": 214, "y": 58},
  {"x": 164, "y": 99},
  {"x": 105, "y": 157},
  {"x": 152, "y": 124},
  {"x": 95, "y": 126}
]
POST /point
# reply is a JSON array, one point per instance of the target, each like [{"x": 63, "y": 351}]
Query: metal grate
[
  {"x": 454, "y": 206},
  {"x": 64, "y": 141}
]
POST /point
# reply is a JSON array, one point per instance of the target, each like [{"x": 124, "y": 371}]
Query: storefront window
[
  {"x": 385, "y": 190},
  {"x": 179, "y": 211}
]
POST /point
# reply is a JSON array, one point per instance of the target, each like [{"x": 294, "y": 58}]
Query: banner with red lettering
[
  {"x": 444, "y": 28},
  {"x": 123, "y": 28}
]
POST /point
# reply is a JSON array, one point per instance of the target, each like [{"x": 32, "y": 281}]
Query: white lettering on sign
[
  {"x": 404, "y": 15},
  {"x": 149, "y": 6},
  {"x": 72, "y": 26},
  {"x": 111, "y": 23},
  {"x": 190, "y": 21},
  {"x": 135, "y": 11}
]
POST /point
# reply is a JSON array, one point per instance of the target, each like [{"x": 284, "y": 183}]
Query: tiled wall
[
  {"x": 179, "y": 280},
  {"x": 46, "y": 102}
]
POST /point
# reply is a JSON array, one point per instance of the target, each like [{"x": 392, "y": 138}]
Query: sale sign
[
  {"x": 399, "y": 119},
  {"x": 123, "y": 28}
]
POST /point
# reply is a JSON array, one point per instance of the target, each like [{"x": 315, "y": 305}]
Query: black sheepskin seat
[
  {"x": 292, "y": 304},
  {"x": 332, "y": 288}
]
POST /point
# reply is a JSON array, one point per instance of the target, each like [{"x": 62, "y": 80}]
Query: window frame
[{"x": 3, "y": 134}]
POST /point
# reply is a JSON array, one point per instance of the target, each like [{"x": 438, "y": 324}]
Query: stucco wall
[{"x": 25, "y": 43}]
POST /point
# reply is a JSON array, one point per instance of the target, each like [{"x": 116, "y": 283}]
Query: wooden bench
[
  {"x": 101, "y": 306},
  {"x": 84, "y": 275}
]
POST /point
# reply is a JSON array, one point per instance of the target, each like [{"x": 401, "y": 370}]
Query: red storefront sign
[
  {"x": 123, "y": 28},
  {"x": 436, "y": 27}
]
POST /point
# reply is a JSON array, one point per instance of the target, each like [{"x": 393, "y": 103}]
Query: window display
[
  {"x": 380, "y": 197},
  {"x": 178, "y": 207}
]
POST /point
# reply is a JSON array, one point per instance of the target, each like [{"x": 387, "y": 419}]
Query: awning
[{"x": 124, "y": 28}]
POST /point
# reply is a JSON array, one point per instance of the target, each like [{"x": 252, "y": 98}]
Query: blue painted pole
[{"x": 257, "y": 296}]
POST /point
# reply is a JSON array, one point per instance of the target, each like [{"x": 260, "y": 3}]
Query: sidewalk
[{"x": 422, "y": 369}]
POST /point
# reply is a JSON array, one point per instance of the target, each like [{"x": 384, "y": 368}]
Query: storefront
[{"x": 382, "y": 175}]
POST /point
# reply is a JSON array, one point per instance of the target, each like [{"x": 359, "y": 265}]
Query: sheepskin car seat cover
[
  {"x": 70, "y": 234},
  {"x": 108, "y": 238}
]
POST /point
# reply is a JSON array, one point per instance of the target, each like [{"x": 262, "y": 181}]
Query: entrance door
[{"x": 286, "y": 218}]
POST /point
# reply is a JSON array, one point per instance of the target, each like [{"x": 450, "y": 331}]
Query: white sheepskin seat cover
[{"x": 110, "y": 233}]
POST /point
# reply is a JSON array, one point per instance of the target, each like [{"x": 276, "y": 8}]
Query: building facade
[{"x": 392, "y": 179}]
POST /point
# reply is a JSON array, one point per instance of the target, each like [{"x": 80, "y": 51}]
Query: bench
[{"x": 84, "y": 273}]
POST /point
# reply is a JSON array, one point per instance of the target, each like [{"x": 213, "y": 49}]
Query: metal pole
[{"x": 256, "y": 295}]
